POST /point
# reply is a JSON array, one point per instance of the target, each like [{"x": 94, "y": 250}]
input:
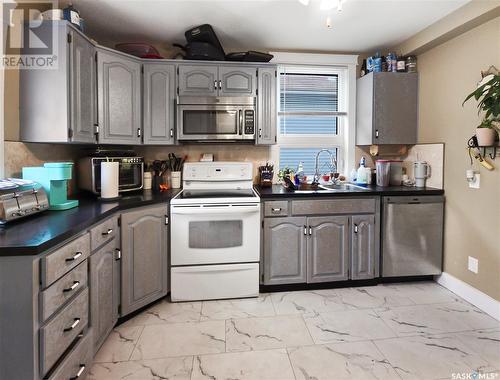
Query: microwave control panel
[{"x": 249, "y": 122}]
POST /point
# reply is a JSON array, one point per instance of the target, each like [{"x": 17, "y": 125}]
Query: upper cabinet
[
  {"x": 96, "y": 95},
  {"x": 59, "y": 104},
  {"x": 387, "y": 109},
  {"x": 213, "y": 80},
  {"x": 198, "y": 80},
  {"x": 158, "y": 103},
  {"x": 267, "y": 114},
  {"x": 237, "y": 81},
  {"x": 119, "y": 94}
]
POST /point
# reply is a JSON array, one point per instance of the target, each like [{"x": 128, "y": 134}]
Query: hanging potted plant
[{"x": 488, "y": 96}]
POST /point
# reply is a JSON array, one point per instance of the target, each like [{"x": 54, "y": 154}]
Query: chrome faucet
[{"x": 333, "y": 161}]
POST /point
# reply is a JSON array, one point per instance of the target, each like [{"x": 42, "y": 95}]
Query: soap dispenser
[{"x": 361, "y": 176}]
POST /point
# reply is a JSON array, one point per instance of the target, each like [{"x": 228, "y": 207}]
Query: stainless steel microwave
[
  {"x": 215, "y": 118},
  {"x": 130, "y": 173}
]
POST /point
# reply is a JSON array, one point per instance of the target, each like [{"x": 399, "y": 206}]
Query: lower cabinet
[
  {"x": 284, "y": 250},
  {"x": 104, "y": 291},
  {"x": 312, "y": 249},
  {"x": 327, "y": 248},
  {"x": 362, "y": 247},
  {"x": 144, "y": 237}
]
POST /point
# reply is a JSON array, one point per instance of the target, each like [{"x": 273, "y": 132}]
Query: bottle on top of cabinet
[{"x": 401, "y": 64}]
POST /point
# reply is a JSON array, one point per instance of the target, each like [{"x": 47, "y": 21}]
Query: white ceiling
[{"x": 362, "y": 26}]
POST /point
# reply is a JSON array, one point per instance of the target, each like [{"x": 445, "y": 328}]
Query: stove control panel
[{"x": 218, "y": 171}]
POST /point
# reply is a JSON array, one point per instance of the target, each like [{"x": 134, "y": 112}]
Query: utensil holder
[{"x": 175, "y": 180}]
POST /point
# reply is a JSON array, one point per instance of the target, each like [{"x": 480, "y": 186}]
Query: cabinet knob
[{"x": 276, "y": 210}]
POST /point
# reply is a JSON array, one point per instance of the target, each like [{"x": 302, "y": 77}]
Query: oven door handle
[{"x": 213, "y": 210}]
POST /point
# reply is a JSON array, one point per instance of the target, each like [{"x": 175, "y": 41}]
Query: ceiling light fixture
[{"x": 304, "y": 2}]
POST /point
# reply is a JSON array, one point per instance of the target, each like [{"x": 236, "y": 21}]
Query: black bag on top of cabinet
[
  {"x": 203, "y": 33},
  {"x": 201, "y": 51}
]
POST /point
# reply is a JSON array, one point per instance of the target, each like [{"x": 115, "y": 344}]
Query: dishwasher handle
[{"x": 414, "y": 200}]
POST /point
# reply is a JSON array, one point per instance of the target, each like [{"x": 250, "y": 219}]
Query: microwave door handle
[{"x": 240, "y": 121}]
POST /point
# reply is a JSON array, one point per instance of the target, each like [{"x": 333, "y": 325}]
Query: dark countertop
[
  {"x": 35, "y": 234},
  {"x": 278, "y": 191}
]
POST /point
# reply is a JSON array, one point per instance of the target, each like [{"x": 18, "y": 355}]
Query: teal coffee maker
[{"x": 54, "y": 177}]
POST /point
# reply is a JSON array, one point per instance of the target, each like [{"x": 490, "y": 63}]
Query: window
[{"x": 312, "y": 116}]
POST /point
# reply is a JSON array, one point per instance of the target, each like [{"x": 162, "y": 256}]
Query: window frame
[{"x": 344, "y": 141}]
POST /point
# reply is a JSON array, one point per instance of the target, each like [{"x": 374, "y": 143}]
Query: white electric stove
[{"x": 215, "y": 233}]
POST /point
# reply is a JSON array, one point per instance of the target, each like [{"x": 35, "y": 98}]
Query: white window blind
[{"x": 311, "y": 115}]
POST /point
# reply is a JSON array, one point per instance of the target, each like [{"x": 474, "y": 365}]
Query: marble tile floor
[{"x": 397, "y": 331}]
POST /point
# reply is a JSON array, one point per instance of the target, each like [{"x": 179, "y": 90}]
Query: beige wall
[{"x": 448, "y": 73}]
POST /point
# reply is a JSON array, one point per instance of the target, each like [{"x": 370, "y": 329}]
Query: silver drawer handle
[
  {"x": 79, "y": 373},
  {"x": 108, "y": 232},
  {"x": 276, "y": 210},
  {"x": 75, "y": 323},
  {"x": 72, "y": 287},
  {"x": 76, "y": 256},
  {"x": 355, "y": 228}
]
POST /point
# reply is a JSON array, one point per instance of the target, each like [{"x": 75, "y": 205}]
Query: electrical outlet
[
  {"x": 475, "y": 181},
  {"x": 473, "y": 264}
]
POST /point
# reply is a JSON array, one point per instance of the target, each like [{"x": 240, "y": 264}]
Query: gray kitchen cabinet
[
  {"x": 159, "y": 103},
  {"x": 58, "y": 104},
  {"x": 387, "y": 109},
  {"x": 327, "y": 248},
  {"x": 267, "y": 116},
  {"x": 284, "y": 250},
  {"x": 198, "y": 80},
  {"x": 237, "y": 81},
  {"x": 362, "y": 247},
  {"x": 83, "y": 89},
  {"x": 104, "y": 291},
  {"x": 144, "y": 276},
  {"x": 119, "y": 95}
]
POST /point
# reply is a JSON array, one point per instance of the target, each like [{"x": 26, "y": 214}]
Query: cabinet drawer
[
  {"x": 63, "y": 290},
  {"x": 64, "y": 259},
  {"x": 334, "y": 206},
  {"x": 276, "y": 208},
  {"x": 57, "y": 335},
  {"x": 77, "y": 363},
  {"x": 104, "y": 232}
]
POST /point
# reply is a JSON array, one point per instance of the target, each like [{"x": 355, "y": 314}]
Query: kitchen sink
[{"x": 341, "y": 187}]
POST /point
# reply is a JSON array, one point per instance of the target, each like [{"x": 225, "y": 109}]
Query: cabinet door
[
  {"x": 144, "y": 257},
  {"x": 104, "y": 288},
  {"x": 363, "y": 247},
  {"x": 327, "y": 249},
  {"x": 198, "y": 80},
  {"x": 119, "y": 93},
  {"x": 267, "y": 115},
  {"x": 159, "y": 98},
  {"x": 395, "y": 110},
  {"x": 83, "y": 93},
  {"x": 237, "y": 81},
  {"x": 284, "y": 250}
]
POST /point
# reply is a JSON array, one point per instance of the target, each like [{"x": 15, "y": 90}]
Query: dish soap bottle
[
  {"x": 299, "y": 176},
  {"x": 361, "y": 174}
]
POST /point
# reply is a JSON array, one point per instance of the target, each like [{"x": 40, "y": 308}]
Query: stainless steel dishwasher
[{"x": 412, "y": 235}]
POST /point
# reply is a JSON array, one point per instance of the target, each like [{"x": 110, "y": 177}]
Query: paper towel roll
[{"x": 109, "y": 179}]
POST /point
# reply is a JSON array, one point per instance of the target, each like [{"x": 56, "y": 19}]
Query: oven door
[
  {"x": 215, "y": 233},
  {"x": 209, "y": 122}
]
